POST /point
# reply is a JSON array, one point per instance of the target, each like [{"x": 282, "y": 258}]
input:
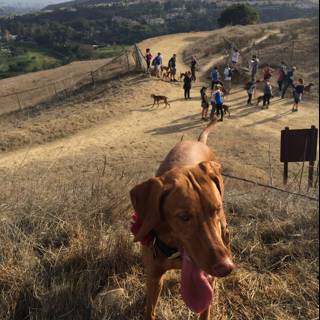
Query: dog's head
[
  {"x": 187, "y": 205},
  {"x": 153, "y": 96}
]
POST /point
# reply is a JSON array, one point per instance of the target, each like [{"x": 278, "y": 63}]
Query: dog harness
[{"x": 153, "y": 238}]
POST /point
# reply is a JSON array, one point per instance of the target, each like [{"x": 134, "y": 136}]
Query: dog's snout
[{"x": 223, "y": 268}]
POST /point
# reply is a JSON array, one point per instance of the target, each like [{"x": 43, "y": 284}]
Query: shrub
[{"x": 238, "y": 14}]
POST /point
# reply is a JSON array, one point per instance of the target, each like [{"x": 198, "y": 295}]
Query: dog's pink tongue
[{"x": 196, "y": 290}]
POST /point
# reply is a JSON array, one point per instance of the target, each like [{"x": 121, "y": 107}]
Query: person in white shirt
[
  {"x": 235, "y": 55},
  {"x": 227, "y": 78}
]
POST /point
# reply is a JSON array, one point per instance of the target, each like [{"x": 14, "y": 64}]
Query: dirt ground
[{"x": 119, "y": 127}]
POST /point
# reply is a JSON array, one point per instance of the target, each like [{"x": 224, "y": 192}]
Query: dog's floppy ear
[
  {"x": 213, "y": 169},
  {"x": 145, "y": 199}
]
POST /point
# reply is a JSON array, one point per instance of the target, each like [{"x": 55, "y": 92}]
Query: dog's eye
[{"x": 184, "y": 216}]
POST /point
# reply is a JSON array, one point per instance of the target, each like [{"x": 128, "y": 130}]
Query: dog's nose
[{"x": 223, "y": 268}]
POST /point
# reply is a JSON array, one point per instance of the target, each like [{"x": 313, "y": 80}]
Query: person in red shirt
[
  {"x": 281, "y": 76},
  {"x": 148, "y": 58},
  {"x": 267, "y": 73}
]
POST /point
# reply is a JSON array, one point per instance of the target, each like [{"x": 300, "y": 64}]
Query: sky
[{"x": 29, "y": 3}]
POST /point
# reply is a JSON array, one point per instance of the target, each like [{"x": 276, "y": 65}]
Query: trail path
[{"x": 142, "y": 131}]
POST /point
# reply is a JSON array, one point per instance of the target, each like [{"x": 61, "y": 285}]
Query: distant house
[{"x": 7, "y": 36}]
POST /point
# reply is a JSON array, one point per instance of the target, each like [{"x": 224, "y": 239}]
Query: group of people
[
  {"x": 285, "y": 80},
  {"x": 221, "y": 84}
]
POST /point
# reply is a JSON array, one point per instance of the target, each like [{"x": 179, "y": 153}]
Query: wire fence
[{"x": 130, "y": 60}]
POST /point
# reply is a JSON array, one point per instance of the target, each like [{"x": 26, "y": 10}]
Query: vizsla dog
[
  {"x": 307, "y": 88},
  {"x": 158, "y": 99},
  {"x": 181, "y": 224}
]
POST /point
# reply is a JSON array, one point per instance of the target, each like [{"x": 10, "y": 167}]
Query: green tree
[{"x": 238, "y": 14}]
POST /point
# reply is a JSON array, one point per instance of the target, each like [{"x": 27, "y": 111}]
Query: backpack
[
  {"x": 248, "y": 85},
  {"x": 154, "y": 62}
]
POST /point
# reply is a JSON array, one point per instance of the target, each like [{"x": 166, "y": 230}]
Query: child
[
  {"x": 217, "y": 95},
  {"x": 187, "y": 85},
  {"x": 148, "y": 58},
  {"x": 297, "y": 94},
  {"x": 204, "y": 103},
  {"x": 250, "y": 87},
  {"x": 267, "y": 90}
]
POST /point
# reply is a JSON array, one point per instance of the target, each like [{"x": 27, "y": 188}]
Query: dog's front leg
[{"x": 154, "y": 287}]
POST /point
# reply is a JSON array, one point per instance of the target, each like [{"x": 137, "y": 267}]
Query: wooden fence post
[
  {"x": 286, "y": 164},
  {"x": 92, "y": 78},
  {"x": 311, "y": 163},
  {"x": 19, "y": 101}
]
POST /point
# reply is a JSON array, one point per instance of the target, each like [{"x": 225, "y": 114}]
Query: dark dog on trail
[
  {"x": 307, "y": 88},
  {"x": 260, "y": 99},
  {"x": 226, "y": 110},
  {"x": 182, "y": 75},
  {"x": 158, "y": 99}
]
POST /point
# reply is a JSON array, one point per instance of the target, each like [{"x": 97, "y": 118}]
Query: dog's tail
[{"x": 204, "y": 135}]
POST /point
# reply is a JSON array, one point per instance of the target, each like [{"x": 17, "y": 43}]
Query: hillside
[{"x": 66, "y": 170}]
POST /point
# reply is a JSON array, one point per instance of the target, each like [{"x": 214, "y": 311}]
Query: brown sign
[{"x": 299, "y": 146}]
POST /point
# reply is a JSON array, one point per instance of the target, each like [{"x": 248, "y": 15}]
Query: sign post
[{"x": 299, "y": 146}]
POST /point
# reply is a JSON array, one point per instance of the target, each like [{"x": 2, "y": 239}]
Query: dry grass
[{"x": 64, "y": 238}]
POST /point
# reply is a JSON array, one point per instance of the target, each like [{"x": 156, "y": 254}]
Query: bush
[{"x": 238, "y": 14}]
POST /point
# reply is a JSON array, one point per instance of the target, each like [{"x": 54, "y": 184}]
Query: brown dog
[
  {"x": 181, "y": 222},
  {"x": 307, "y": 88},
  {"x": 166, "y": 75},
  {"x": 226, "y": 109},
  {"x": 164, "y": 68},
  {"x": 158, "y": 99},
  {"x": 182, "y": 75}
]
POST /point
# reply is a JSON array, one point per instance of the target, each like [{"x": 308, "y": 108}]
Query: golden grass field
[{"x": 66, "y": 171}]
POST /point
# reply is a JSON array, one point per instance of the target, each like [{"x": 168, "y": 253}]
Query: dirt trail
[{"x": 144, "y": 125}]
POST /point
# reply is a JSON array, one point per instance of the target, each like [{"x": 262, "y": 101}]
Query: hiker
[
  {"x": 250, "y": 87},
  {"x": 235, "y": 54},
  {"x": 194, "y": 63},
  {"x": 267, "y": 73},
  {"x": 297, "y": 94},
  {"x": 157, "y": 62},
  {"x": 281, "y": 75},
  {"x": 288, "y": 81},
  {"x": 217, "y": 96},
  {"x": 204, "y": 103},
  {"x": 148, "y": 58},
  {"x": 187, "y": 84},
  {"x": 172, "y": 66},
  {"x": 215, "y": 77},
  {"x": 267, "y": 90},
  {"x": 227, "y": 79},
  {"x": 253, "y": 67}
]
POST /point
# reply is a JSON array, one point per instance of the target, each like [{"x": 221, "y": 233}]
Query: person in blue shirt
[
  {"x": 215, "y": 76},
  {"x": 288, "y": 81},
  {"x": 217, "y": 96},
  {"x": 157, "y": 64}
]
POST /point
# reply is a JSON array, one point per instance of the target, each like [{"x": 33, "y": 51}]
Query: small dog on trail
[
  {"x": 164, "y": 68},
  {"x": 166, "y": 75},
  {"x": 260, "y": 99},
  {"x": 307, "y": 89},
  {"x": 158, "y": 99},
  {"x": 226, "y": 110},
  {"x": 182, "y": 75}
]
